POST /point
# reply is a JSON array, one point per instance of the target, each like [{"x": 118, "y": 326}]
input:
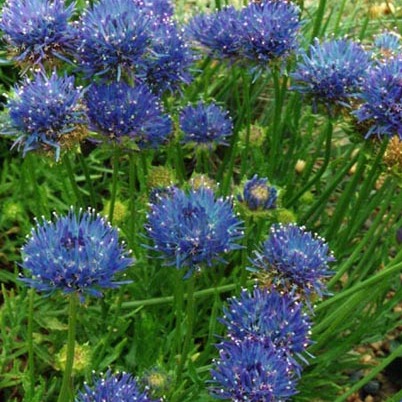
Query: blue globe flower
[
  {"x": 168, "y": 60},
  {"x": 381, "y": 109},
  {"x": 119, "y": 387},
  {"x": 77, "y": 253},
  {"x": 37, "y": 29},
  {"x": 193, "y": 229},
  {"x": 269, "y": 316},
  {"x": 270, "y": 30},
  {"x": 253, "y": 371},
  {"x": 295, "y": 260},
  {"x": 388, "y": 44},
  {"x": 257, "y": 194},
  {"x": 46, "y": 113},
  {"x": 112, "y": 39},
  {"x": 205, "y": 124},
  {"x": 219, "y": 33},
  {"x": 119, "y": 111},
  {"x": 332, "y": 72}
]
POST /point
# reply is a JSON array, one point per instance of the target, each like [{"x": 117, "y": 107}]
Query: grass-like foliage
[{"x": 200, "y": 200}]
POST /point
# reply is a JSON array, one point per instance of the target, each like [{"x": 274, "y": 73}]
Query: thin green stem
[
  {"x": 66, "y": 392},
  {"x": 88, "y": 179},
  {"x": 73, "y": 182},
  {"x": 31, "y": 360},
  {"x": 319, "y": 17},
  {"x": 115, "y": 176}
]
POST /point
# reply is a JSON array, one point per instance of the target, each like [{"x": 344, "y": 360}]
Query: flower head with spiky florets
[
  {"x": 37, "y": 29},
  {"x": 269, "y": 316},
  {"x": 388, "y": 44},
  {"x": 121, "y": 112},
  {"x": 161, "y": 10},
  {"x": 219, "y": 33},
  {"x": 46, "y": 113},
  {"x": 252, "y": 371},
  {"x": 205, "y": 124},
  {"x": 332, "y": 72},
  {"x": 270, "y": 30},
  {"x": 193, "y": 229},
  {"x": 168, "y": 61},
  {"x": 382, "y": 100},
  {"x": 77, "y": 253},
  {"x": 295, "y": 260},
  {"x": 119, "y": 387},
  {"x": 257, "y": 194},
  {"x": 112, "y": 39}
]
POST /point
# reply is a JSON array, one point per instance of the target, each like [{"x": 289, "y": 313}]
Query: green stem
[
  {"x": 66, "y": 392},
  {"x": 31, "y": 360},
  {"x": 319, "y": 17},
  {"x": 88, "y": 180},
  {"x": 70, "y": 174},
  {"x": 246, "y": 105},
  {"x": 115, "y": 176}
]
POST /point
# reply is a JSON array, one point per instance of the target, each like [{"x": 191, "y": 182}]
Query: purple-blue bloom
[
  {"x": 193, "y": 229},
  {"x": 270, "y": 30},
  {"x": 388, "y": 43},
  {"x": 119, "y": 387},
  {"x": 37, "y": 29},
  {"x": 257, "y": 194},
  {"x": 169, "y": 58},
  {"x": 76, "y": 253},
  {"x": 295, "y": 260},
  {"x": 112, "y": 39},
  {"x": 382, "y": 100},
  {"x": 218, "y": 33},
  {"x": 269, "y": 316},
  {"x": 162, "y": 10},
  {"x": 252, "y": 371},
  {"x": 331, "y": 72},
  {"x": 45, "y": 112},
  {"x": 205, "y": 124},
  {"x": 119, "y": 111}
]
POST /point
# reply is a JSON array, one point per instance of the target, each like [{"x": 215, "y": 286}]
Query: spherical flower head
[
  {"x": 332, "y": 72},
  {"x": 167, "y": 63},
  {"x": 119, "y": 387},
  {"x": 381, "y": 109},
  {"x": 112, "y": 39},
  {"x": 205, "y": 124},
  {"x": 270, "y": 30},
  {"x": 120, "y": 112},
  {"x": 257, "y": 194},
  {"x": 253, "y": 371},
  {"x": 218, "y": 33},
  {"x": 193, "y": 229},
  {"x": 269, "y": 316},
  {"x": 295, "y": 260},
  {"x": 46, "y": 113},
  {"x": 76, "y": 253},
  {"x": 388, "y": 44},
  {"x": 37, "y": 29}
]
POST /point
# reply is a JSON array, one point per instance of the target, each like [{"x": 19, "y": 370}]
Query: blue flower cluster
[
  {"x": 205, "y": 124},
  {"x": 45, "y": 112},
  {"x": 77, "y": 253},
  {"x": 193, "y": 229},
  {"x": 388, "y": 44},
  {"x": 331, "y": 72},
  {"x": 295, "y": 260},
  {"x": 258, "y": 195},
  {"x": 37, "y": 30},
  {"x": 119, "y": 387},
  {"x": 262, "y": 32},
  {"x": 381, "y": 99},
  {"x": 119, "y": 111}
]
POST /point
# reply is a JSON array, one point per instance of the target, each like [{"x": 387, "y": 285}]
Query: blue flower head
[
  {"x": 36, "y": 30},
  {"x": 332, "y": 72},
  {"x": 76, "y": 253},
  {"x": 46, "y": 113},
  {"x": 388, "y": 44},
  {"x": 205, "y": 124},
  {"x": 193, "y": 229},
  {"x": 119, "y": 387},
  {"x": 168, "y": 61},
  {"x": 382, "y": 100},
  {"x": 257, "y": 194},
  {"x": 119, "y": 112},
  {"x": 269, "y": 316},
  {"x": 112, "y": 39},
  {"x": 219, "y": 33},
  {"x": 270, "y": 30},
  {"x": 161, "y": 10},
  {"x": 253, "y": 371},
  {"x": 295, "y": 260}
]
